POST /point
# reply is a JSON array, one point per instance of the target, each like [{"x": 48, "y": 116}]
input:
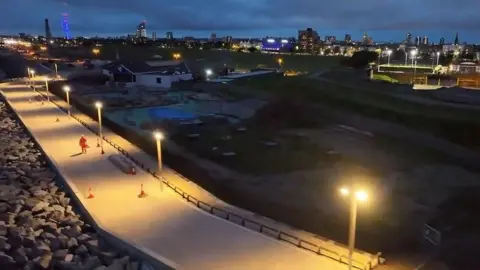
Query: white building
[
  {"x": 446, "y": 48},
  {"x": 147, "y": 73}
]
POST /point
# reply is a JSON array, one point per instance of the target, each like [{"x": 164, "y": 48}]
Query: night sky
[{"x": 384, "y": 20}]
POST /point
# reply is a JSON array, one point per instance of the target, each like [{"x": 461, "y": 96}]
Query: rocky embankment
[{"x": 39, "y": 229}]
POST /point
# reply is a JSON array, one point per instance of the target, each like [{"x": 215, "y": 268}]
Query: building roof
[{"x": 145, "y": 67}]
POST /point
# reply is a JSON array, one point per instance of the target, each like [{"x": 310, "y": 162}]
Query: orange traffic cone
[
  {"x": 90, "y": 194},
  {"x": 142, "y": 192},
  {"x": 133, "y": 171}
]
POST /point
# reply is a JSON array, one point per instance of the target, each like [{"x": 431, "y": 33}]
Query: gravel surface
[{"x": 39, "y": 227}]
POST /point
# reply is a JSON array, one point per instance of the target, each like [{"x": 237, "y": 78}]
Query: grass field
[
  {"x": 457, "y": 125},
  {"x": 303, "y": 63}
]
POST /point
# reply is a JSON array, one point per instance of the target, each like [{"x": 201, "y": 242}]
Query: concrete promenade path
[{"x": 160, "y": 223}]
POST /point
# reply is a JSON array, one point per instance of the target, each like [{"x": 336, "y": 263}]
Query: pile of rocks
[{"x": 38, "y": 227}]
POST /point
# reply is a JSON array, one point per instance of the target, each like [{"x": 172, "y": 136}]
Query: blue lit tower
[{"x": 65, "y": 27}]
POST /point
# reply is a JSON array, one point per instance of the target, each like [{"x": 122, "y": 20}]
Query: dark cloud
[{"x": 121, "y": 16}]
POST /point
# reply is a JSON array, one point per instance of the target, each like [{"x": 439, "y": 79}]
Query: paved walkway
[{"x": 161, "y": 223}]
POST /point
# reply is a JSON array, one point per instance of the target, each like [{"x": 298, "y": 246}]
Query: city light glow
[{"x": 98, "y": 105}]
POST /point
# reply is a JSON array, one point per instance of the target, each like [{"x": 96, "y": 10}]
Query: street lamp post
[
  {"x": 29, "y": 76},
  {"x": 438, "y": 57},
  {"x": 414, "y": 60},
  {"x": 46, "y": 89},
  {"x": 66, "y": 88},
  {"x": 158, "y": 138},
  {"x": 32, "y": 78},
  {"x": 406, "y": 58},
  {"x": 98, "y": 105},
  {"x": 389, "y": 52},
  {"x": 280, "y": 62},
  {"x": 208, "y": 73},
  {"x": 56, "y": 70},
  {"x": 358, "y": 195}
]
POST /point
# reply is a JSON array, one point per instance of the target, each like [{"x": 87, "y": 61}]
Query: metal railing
[{"x": 232, "y": 217}]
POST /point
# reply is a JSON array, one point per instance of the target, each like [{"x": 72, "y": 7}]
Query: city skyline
[{"x": 248, "y": 19}]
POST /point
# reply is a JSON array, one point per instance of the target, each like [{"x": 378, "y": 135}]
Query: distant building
[
  {"x": 154, "y": 36},
  {"x": 425, "y": 40},
  {"x": 228, "y": 39},
  {"x": 348, "y": 39},
  {"x": 442, "y": 41},
  {"x": 213, "y": 37},
  {"x": 48, "y": 33},
  {"x": 365, "y": 38},
  {"x": 408, "y": 38},
  {"x": 142, "y": 30},
  {"x": 456, "y": 39},
  {"x": 330, "y": 39},
  {"x": 277, "y": 44},
  {"x": 148, "y": 73},
  {"x": 308, "y": 40},
  {"x": 452, "y": 48},
  {"x": 189, "y": 39},
  {"x": 418, "y": 40},
  {"x": 370, "y": 41},
  {"x": 169, "y": 36}
]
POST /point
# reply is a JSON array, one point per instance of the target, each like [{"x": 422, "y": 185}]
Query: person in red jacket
[{"x": 83, "y": 144}]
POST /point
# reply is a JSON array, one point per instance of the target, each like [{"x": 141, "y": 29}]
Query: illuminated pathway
[{"x": 161, "y": 223}]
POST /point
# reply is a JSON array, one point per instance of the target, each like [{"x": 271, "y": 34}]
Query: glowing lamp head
[
  {"x": 361, "y": 195},
  {"x": 413, "y": 52},
  {"x": 389, "y": 52},
  {"x": 32, "y": 71},
  {"x": 158, "y": 135},
  {"x": 280, "y": 60},
  {"x": 98, "y": 105},
  {"x": 66, "y": 88},
  {"x": 208, "y": 72},
  {"x": 438, "y": 53},
  {"x": 344, "y": 191}
]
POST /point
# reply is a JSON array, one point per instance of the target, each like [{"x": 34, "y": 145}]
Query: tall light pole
[
  {"x": 438, "y": 57},
  {"x": 32, "y": 79},
  {"x": 357, "y": 195},
  {"x": 56, "y": 70},
  {"x": 66, "y": 88},
  {"x": 99, "y": 106},
  {"x": 389, "y": 52},
  {"x": 280, "y": 62},
  {"x": 29, "y": 76},
  {"x": 406, "y": 58},
  {"x": 158, "y": 138},
  {"x": 46, "y": 88},
  {"x": 414, "y": 53},
  {"x": 208, "y": 73}
]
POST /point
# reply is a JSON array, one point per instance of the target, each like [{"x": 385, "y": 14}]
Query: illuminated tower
[{"x": 65, "y": 27}]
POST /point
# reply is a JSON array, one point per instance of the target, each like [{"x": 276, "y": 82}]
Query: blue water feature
[{"x": 168, "y": 113}]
